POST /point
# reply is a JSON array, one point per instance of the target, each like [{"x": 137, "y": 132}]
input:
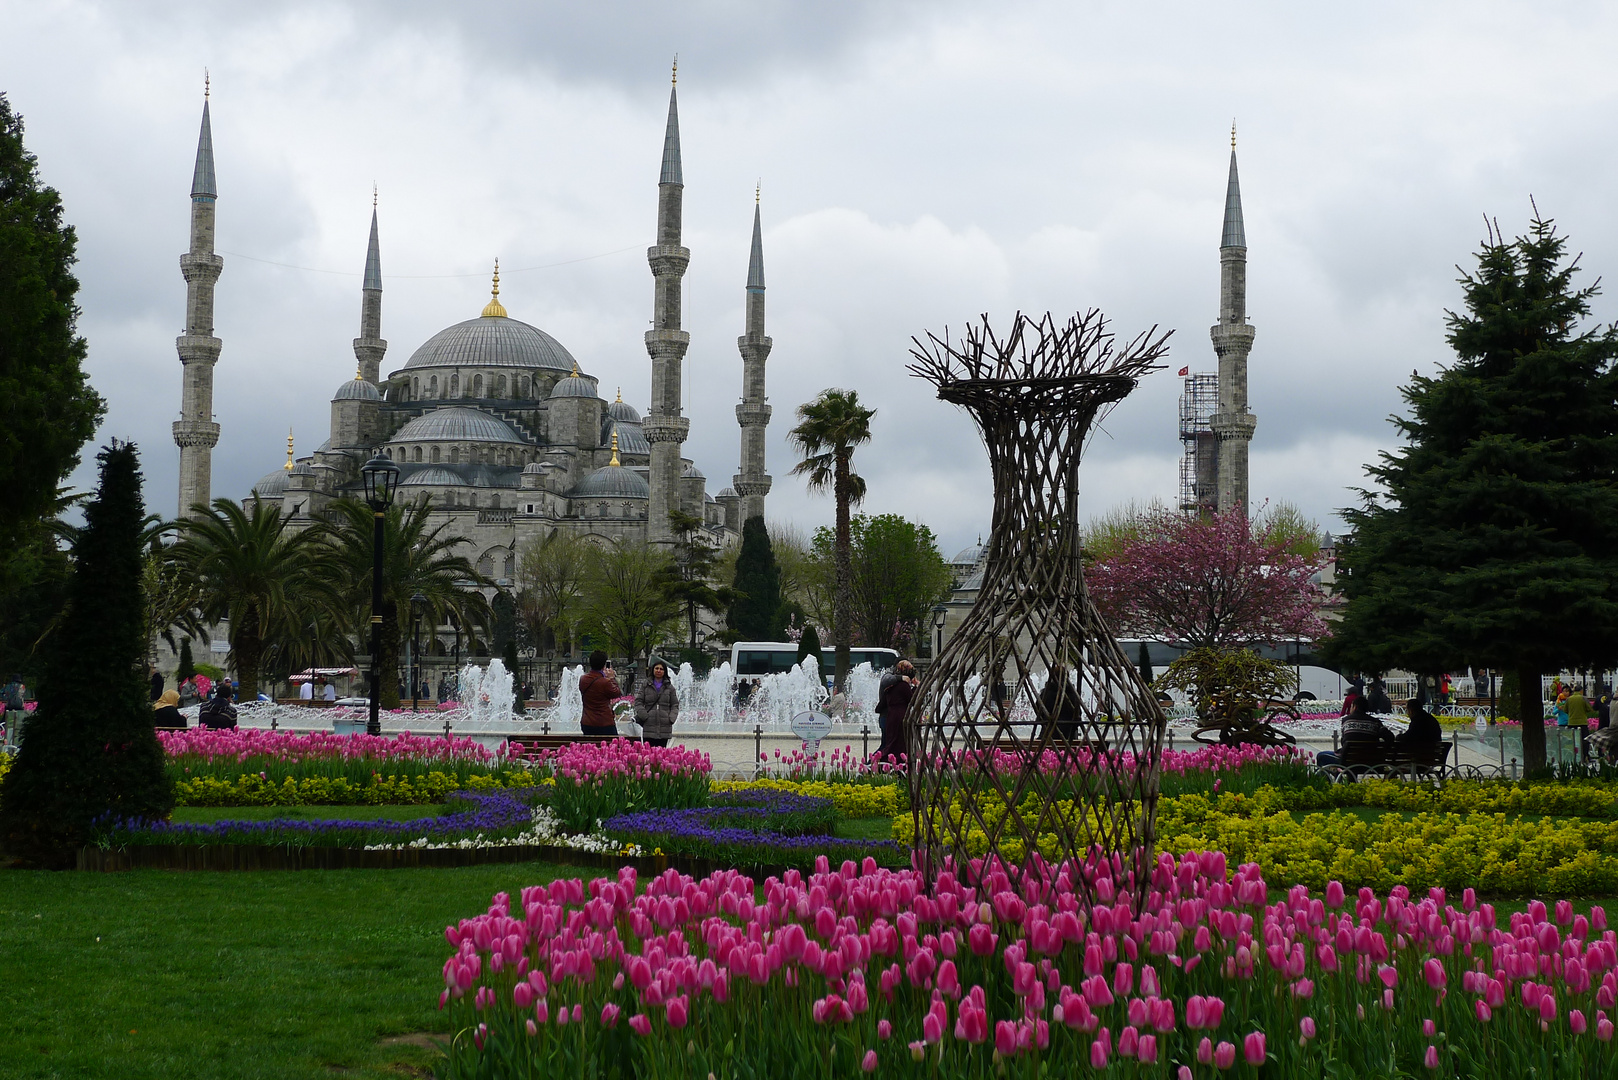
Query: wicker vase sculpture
[{"x": 1032, "y": 735}]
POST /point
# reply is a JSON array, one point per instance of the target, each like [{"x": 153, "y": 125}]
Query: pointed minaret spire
[
  {"x": 665, "y": 426},
  {"x": 671, "y": 135},
  {"x": 369, "y": 348},
  {"x": 752, "y": 483},
  {"x": 1233, "y": 425},
  {"x": 494, "y": 309},
  {"x": 195, "y": 432}
]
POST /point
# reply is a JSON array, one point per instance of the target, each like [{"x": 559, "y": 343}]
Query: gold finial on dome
[
  {"x": 1233, "y": 134},
  {"x": 620, "y": 395},
  {"x": 674, "y": 75},
  {"x": 493, "y": 310},
  {"x": 207, "y": 82},
  {"x": 614, "y": 460},
  {"x": 288, "y": 465},
  {"x": 575, "y": 374}
]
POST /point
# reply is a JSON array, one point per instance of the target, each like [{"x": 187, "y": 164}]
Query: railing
[{"x": 497, "y": 516}]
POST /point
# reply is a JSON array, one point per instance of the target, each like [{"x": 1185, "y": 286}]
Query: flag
[{"x": 1185, "y": 371}]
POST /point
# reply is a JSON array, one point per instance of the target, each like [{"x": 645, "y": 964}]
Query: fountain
[{"x": 487, "y": 695}]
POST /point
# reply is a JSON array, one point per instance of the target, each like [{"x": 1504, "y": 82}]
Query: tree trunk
[
  {"x": 249, "y": 649},
  {"x": 844, "y": 599},
  {"x": 1533, "y": 720}
]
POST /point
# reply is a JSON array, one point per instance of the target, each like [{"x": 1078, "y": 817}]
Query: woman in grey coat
[{"x": 656, "y": 706}]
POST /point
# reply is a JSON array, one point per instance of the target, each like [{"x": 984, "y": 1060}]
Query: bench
[
  {"x": 531, "y": 747},
  {"x": 1384, "y": 757}
]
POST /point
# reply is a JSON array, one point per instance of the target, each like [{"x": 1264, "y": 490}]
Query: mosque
[{"x": 493, "y": 419}]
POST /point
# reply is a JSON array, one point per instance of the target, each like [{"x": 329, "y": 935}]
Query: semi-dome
[
  {"x": 613, "y": 482},
  {"x": 272, "y": 485},
  {"x": 631, "y": 438},
  {"x": 575, "y": 386},
  {"x": 457, "y": 424},
  {"x": 433, "y": 476},
  {"x": 492, "y": 341},
  {"x": 357, "y": 389}
]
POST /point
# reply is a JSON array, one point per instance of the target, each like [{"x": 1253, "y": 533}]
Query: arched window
[
  {"x": 455, "y": 455},
  {"x": 527, "y": 386},
  {"x": 511, "y": 565},
  {"x": 455, "y": 385},
  {"x": 486, "y": 566},
  {"x": 477, "y": 386},
  {"x": 416, "y": 454},
  {"x": 494, "y": 502},
  {"x": 415, "y": 387},
  {"x": 500, "y": 387},
  {"x": 432, "y": 387},
  {"x": 435, "y": 455}
]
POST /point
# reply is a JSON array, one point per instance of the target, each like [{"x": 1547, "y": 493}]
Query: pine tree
[
  {"x": 756, "y": 610},
  {"x": 1494, "y": 538},
  {"x": 89, "y": 751},
  {"x": 809, "y": 645},
  {"x": 47, "y": 408},
  {"x": 188, "y": 663}
]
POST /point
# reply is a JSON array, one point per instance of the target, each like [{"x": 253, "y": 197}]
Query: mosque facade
[{"x": 493, "y": 419}]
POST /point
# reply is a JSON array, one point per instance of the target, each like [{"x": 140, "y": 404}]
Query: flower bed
[
  {"x": 867, "y": 970},
  {"x": 1492, "y": 852},
  {"x": 749, "y": 828},
  {"x": 267, "y": 768},
  {"x": 1591, "y": 799},
  {"x": 594, "y": 781},
  {"x": 851, "y": 800}
]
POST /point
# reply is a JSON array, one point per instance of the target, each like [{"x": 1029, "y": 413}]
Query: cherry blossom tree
[{"x": 1213, "y": 580}]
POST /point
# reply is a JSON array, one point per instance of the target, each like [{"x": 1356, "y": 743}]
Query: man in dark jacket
[
  {"x": 1424, "y": 730},
  {"x": 599, "y": 690},
  {"x": 1358, "y": 726},
  {"x": 892, "y": 702},
  {"x": 1376, "y": 698},
  {"x": 219, "y": 712}
]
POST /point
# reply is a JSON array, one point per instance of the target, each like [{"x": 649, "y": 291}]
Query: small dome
[
  {"x": 622, "y": 410},
  {"x": 691, "y": 472},
  {"x": 577, "y": 386},
  {"x": 968, "y": 556},
  {"x": 727, "y": 493},
  {"x": 433, "y": 476},
  {"x": 707, "y": 498},
  {"x": 457, "y": 424},
  {"x": 492, "y": 341},
  {"x": 357, "y": 389},
  {"x": 613, "y": 482},
  {"x": 533, "y": 468},
  {"x": 271, "y": 485},
  {"x": 302, "y": 468},
  {"x": 631, "y": 439}
]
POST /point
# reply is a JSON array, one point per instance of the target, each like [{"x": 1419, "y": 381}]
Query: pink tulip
[
  {"x": 678, "y": 1010},
  {"x": 1430, "y": 1058},
  {"x": 1205, "y": 1051},
  {"x": 1196, "y": 1011},
  {"x": 1388, "y": 975},
  {"x": 1224, "y": 1055},
  {"x": 1253, "y": 1048},
  {"x": 1428, "y": 1027},
  {"x": 1005, "y": 1038},
  {"x": 1099, "y": 1050},
  {"x": 948, "y": 981},
  {"x": 1604, "y": 1029},
  {"x": 869, "y": 1062},
  {"x": 1306, "y": 1028},
  {"x": 1128, "y": 1041},
  {"x": 1576, "y": 1021},
  {"x": 1185, "y": 1073},
  {"x": 884, "y": 1029},
  {"x": 533, "y": 1028},
  {"x": 1485, "y": 1014},
  {"x": 1433, "y": 969},
  {"x": 542, "y": 1012},
  {"x": 1547, "y": 1008},
  {"x": 609, "y": 1014},
  {"x": 1148, "y": 1049},
  {"x": 1334, "y": 894}
]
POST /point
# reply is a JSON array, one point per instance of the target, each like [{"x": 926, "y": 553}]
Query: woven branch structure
[{"x": 1031, "y": 734}]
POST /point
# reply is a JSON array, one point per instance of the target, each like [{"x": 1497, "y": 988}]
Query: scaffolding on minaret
[{"x": 1199, "y": 464}]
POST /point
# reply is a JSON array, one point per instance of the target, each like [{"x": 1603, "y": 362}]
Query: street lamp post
[
  {"x": 940, "y": 614},
  {"x": 381, "y": 478},
  {"x": 456, "y": 680},
  {"x": 418, "y": 603}
]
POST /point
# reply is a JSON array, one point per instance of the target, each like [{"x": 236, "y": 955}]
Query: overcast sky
[{"x": 921, "y": 163}]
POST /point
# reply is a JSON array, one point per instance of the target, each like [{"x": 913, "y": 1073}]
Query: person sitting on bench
[
  {"x": 1359, "y": 728},
  {"x": 1423, "y": 732}
]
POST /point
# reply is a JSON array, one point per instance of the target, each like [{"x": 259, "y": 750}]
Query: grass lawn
[
  {"x": 162, "y": 975},
  {"x": 206, "y": 815},
  {"x": 869, "y": 828}
]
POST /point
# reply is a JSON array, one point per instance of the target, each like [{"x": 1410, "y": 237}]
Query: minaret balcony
[
  {"x": 753, "y": 414},
  {"x": 196, "y": 433},
  {"x": 665, "y": 429},
  {"x": 1232, "y": 338},
  {"x": 668, "y": 259},
  {"x": 203, "y": 267},
  {"x": 667, "y": 344},
  {"x": 198, "y": 348}
]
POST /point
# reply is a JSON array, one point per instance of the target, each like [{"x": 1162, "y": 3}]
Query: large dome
[
  {"x": 492, "y": 342},
  {"x": 613, "y": 482},
  {"x": 272, "y": 485},
  {"x": 457, "y": 424}
]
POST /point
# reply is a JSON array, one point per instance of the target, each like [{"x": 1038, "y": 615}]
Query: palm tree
[
  {"x": 416, "y": 558},
  {"x": 829, "y": 428},
  {"x": 253, "y": 570}
]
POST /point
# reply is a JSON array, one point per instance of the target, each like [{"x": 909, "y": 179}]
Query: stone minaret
[
  {"x": 666, "y": 343},
  {"x": 753, "y": 483},
  {"x": 1232, "y": 340},
  {"x": 195, "y": 433},
  {"x": 369, "y": 348}
]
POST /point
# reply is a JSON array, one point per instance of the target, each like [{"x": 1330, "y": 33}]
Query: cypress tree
[
  {"x": 89, "y": 751},
  {"x": 756, "y": 612},
  {"x": 1144, "y": 662},
  {"x": 809, "y": 645},
  {"x": 1494, "y": 538},
  {"x": 188, "y": 663}
]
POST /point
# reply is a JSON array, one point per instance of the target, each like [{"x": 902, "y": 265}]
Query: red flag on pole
[{"x": 1185, "y": 371}]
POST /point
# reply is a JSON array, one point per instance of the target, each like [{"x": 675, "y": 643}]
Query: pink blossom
[
  {"x": 1224, "y": 1055},
  {"x": 1148, "y": 1049},
  {"x": 1430, "y": 1058},
  {"x": 1100, "y": 1049},
  {"x": 639, "y": 1024},
  {"x": 868, "y": 1063},
  {"x": 884, "y": 1029},
  {"x": 1205, "y": 1051},
  {"x": 1576, "y": 1022},
  {"x": 1005, "y": 1038},
  {"x": 1306, "y": 1028},
  {"x": 609, "y": 1015},
  {"x": 1253, "y": 1048}
]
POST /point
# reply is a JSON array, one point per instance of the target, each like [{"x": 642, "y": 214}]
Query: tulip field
[{"x": 1289, "y": 927}]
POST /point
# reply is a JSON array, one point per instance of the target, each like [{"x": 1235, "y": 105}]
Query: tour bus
[
  {"x": 1315, "y": 680},
  {"x": 752, "y": 658}
]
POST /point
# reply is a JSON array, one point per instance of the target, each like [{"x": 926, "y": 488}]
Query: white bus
[{"x": 754, "y": 658}]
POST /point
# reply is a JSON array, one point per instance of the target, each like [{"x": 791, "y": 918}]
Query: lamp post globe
[
  {"x": 381, "y": 479},
  {"x": 940, "y": 616}
]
